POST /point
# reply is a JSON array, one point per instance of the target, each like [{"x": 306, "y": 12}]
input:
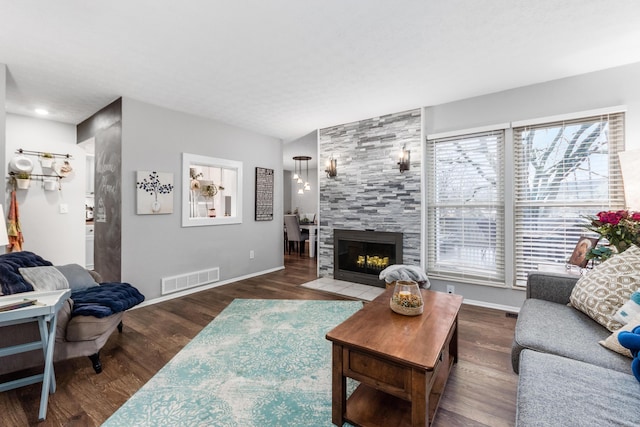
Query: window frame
[
  {"x": 614, "y": 200},
  {"x": 465, "y": 274},
  {"x": 190, "y": 160}
]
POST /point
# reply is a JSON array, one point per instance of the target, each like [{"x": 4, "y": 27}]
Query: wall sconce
[
  {"x": 332, "y": 167},
  {"x": 405, "y": 159}
]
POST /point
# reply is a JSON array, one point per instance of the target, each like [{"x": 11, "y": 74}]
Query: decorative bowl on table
[{"x": 407, "y": 298}]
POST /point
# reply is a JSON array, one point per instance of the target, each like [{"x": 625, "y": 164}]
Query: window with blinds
[
  {"x": 465, "y": 209},
  {"x": 563, "y": 172}
]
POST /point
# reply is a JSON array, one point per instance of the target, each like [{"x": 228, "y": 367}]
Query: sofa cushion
[
  {"x": 560, "y": 329},
  {"x": 604, "y": 290},
  {"x": 44, "y": 278},
  {"x": 77, "y": 276},
  {"x": 612, "y": 342},
  {"x": 556, "y": 391}
]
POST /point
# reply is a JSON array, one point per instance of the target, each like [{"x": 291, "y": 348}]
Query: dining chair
[{"x": 294, "y": 234}]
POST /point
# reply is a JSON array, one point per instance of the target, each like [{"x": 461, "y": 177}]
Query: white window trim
[
  {"x": 463, "y": 132},
  {"x": 507, "y": 140},
  {"x": 570, "y": 116}
]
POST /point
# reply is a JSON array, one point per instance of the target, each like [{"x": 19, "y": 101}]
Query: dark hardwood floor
[{"x": 481, "y": 390}]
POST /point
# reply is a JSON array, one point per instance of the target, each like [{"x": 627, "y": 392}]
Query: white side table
[{"x": 49, "y": 303}]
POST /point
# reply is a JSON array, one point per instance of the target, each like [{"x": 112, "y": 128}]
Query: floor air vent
[{"x": 189, "y": 280}]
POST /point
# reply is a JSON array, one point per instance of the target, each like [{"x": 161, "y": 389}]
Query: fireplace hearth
[{"x": 360, "y": 256}]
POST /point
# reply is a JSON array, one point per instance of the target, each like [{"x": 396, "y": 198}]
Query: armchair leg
[
  {"x": 95, "y": 361},
  {"x": 120, "y": 327}
]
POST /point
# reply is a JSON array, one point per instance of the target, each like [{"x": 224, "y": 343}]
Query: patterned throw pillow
[
  {"x": 612, "y": 342},
  {"x": 604, "y": 290}
]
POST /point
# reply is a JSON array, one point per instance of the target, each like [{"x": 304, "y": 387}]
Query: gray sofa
[{"x": 566, "y": 377}]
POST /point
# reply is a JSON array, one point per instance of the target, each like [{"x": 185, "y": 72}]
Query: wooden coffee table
[{"x": 401, "y": 362}]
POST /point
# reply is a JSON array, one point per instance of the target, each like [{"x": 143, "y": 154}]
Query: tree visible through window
[{"x": 564, "y": 171}]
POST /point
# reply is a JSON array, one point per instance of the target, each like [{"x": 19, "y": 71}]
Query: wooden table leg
[
  {"x": 419, "y": 399},
  {"x": 453, "y": 345},
  {"x": 339, "y": 387}
]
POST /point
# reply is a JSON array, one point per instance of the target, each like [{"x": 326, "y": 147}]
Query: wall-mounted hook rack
[
  {"x": 41, "y": 153},
  {"x": 35, "y": 176}
]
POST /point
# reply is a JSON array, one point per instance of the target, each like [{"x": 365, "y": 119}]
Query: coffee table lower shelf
[{"x": 368, "y": 406}]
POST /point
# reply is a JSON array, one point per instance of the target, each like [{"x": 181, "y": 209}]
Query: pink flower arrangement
[{"x": 621, "y": 228}]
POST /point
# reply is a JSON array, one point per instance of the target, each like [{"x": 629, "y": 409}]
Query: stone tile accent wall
[{"x": 369, "y": 191}]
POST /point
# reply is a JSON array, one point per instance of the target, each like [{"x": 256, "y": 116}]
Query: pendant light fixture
[
  {"x": 307, "y": 187},
  {"x": 298, "y": 177}
]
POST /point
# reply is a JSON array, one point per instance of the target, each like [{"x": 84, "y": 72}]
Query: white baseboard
[{"x": 205, "y": 287}]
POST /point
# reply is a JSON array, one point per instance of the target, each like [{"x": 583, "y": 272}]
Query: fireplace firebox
[{"x": 359, "y": 256}]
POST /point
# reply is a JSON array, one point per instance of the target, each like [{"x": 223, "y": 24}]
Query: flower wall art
[{"x": 155, "y": 192}]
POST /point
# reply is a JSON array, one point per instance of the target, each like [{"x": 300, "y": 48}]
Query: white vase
[{"x": 155, "y": 206}]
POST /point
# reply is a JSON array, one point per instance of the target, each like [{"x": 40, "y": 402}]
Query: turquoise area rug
[{"x": 259, "y": 363}]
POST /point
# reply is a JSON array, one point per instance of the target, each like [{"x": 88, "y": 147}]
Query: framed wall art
[
  {"x": 264, "y": 194},
  {"x": 154, "y": 192}
]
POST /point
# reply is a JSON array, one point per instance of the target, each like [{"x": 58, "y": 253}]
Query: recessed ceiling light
[{"x": 41, "y": 111}]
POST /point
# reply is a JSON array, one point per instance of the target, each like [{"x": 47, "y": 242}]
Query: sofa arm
[
  {"x": 63, "y": 317},
  {"x": 96, "y": 276},
  {"x": 550, "y": 287}
]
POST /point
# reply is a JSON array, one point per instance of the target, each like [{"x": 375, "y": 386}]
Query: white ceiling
[{"x": 287, "y": 67}]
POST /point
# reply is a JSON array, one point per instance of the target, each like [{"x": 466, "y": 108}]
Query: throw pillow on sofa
[
  {"x": 77, "y": 276},
  {"x": 607, "y": 287},
  {"x": 629, "y": 310},
  {"x": 44, "y": 278},
  {"x": 612, "y": 342}
]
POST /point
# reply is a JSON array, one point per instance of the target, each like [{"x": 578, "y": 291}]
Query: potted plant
[
  {"x": 208, "y": 191},
  {"x": 46, "y": 160},
  {"x": 23, "y": 179}
]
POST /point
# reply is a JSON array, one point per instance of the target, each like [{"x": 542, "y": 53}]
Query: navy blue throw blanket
[
  {"x": 10, "y": 278},
  {"x": 97, "y": 301},
  {"x": 105, "y": 300}
]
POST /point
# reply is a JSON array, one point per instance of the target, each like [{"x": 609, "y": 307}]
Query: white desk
[
  {"x": 313, "y": 230},
  {"x": 44, "y": 313}
]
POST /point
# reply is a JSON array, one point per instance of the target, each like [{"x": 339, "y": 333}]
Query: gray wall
[
  {"x": 286, "y": 191},
  {"x": 600, "y": 89},
  {"x": 156, "y": 246},
  {"x": 369, "y": 191}
]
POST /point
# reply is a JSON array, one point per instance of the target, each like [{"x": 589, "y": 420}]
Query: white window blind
[
  {"x": 563, "y": 172},
  {"x": 465, "y": 208}
]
